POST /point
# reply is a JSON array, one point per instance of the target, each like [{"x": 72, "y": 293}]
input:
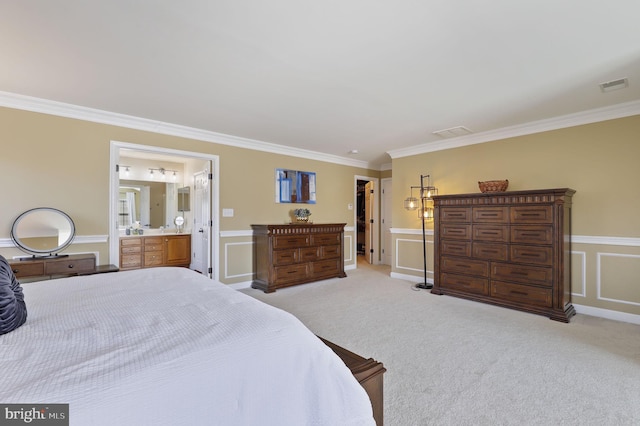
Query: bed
[{"x": 167, "y": 346}]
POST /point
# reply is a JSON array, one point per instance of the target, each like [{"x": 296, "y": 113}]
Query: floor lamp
[{"x": 425, "y": 213}]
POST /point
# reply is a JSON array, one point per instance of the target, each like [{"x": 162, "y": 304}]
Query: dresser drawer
[
  {"x": 460, "y": 232},
  {"x": 291, "y": 273},
  {"x": 153, "y": 258},
  {"x": 532, "y": 214},
  {"x": 464, "y": 266},
  {"x": 491, "y": 233},
  {"x": 309, "y": 254},
  {"x": 70, "y": 267},
  {"x": 290, "y": 241},
  {"x": 285, "y": 257},
  {"x": 532, "y": 254},
  {"x": 464, "y": 283},
  {"x": 325, "y": 239},
  {"x": 455, "y": 248},
  {"x": 455, "y": 214},
  {"x": 532, "y": 234},
  {"x": 490, "y": 214},
  {"x": 27, "y": 269},
  {"x": 525, "y": 294},
  {"x": 329, "y": 252},
  {"x": 490, "y": 251},
  {"x": 522, "y": 273},
  {"x": 326, "y": 267}
]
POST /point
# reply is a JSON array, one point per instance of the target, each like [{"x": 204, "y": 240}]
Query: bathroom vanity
[{"x": 148, "y": 251}]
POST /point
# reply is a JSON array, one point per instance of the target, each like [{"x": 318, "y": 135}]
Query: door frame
[
  {"x": 375, "y": 215},
  {"x": 114, "y": 179},
  {"x": 386, "y": 207}
]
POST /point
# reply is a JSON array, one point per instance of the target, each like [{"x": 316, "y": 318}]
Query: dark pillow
[{"x": 13, "y": 311}]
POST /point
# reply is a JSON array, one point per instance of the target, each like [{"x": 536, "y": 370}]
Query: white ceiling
[{"x": 329, "y": 76}]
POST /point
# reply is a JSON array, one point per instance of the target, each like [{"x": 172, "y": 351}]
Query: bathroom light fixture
[
  {"x": 126, "y": 170},
  {"x": 163, "y": 173}
]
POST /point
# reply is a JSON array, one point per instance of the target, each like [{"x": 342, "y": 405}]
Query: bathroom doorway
[{"x": 189, "y": 164}]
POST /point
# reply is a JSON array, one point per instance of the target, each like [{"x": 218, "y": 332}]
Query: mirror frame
[{"x": 20, "y": 244}]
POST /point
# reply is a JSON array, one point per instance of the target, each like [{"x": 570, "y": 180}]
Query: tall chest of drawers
[
  {"x": 286, "y": 255},
  {"x": 510, "y": 249}
]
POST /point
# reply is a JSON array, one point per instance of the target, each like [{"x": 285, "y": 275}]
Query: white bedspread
[{"x": 166, "y": 346}]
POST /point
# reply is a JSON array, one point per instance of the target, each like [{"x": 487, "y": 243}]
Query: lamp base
[{"x": 424, "y": 286}]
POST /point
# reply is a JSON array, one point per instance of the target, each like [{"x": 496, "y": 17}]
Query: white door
[
  {"x": 386, "y": 199},
  {"x": 368, "y": 226},
  {"x": 201, "y": 247}
]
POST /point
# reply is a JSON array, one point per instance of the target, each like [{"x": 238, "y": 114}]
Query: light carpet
[{"x": 452, "y": 361}]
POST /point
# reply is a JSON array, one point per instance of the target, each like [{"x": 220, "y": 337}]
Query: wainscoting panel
[
  {"x": 618, "y": 279},
  {"x": 238, "y": 260}
]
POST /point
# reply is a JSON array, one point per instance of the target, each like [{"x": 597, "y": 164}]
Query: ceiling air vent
[
  {"x": 453, "y": 132},
  {"x": 610, "y": 86}
]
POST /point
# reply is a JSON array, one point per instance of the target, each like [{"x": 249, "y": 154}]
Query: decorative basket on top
[{"x": 493, "y": 185}]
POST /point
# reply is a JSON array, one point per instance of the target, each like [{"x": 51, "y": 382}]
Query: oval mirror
[
  {"x": 179, "y": 221},
  {"x": 43, "y": 230}
]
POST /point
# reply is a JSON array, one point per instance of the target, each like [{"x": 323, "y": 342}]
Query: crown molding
[
  {"x": 622, "y": 110},
  {"x": 29, "y": 103}
]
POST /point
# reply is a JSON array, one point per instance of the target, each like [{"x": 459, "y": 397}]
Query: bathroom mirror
[
  {"x": 43, "y": 231},
  {"x": 152, "y": 204}
]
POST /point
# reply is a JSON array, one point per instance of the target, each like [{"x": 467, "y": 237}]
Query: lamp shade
[{"x": 411, "y": 203}]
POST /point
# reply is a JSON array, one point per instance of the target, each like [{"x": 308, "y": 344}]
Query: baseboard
[
  {"x": 607, "y": 313},
  {"x": 407, "y": 277}
]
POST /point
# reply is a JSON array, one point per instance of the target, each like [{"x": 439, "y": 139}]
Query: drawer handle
[
  {"x": 462, "y": 265},
  {"x": 529, "y": 254},
  {"x": 530, "y": 214},
  {"x": 70, "y": 266},
  {"x": 530, "y": 234},
  {"x": 521, "y": 293},
  {"x": 15, "y": 271}
]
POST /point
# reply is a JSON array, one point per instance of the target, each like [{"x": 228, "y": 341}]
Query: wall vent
[
  {"x": 453, "y": 132},
  {"x": 610, "y": 86}
]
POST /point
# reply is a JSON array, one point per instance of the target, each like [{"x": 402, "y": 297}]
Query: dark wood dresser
[
  {"x": 510, "y": 249},
  {"x": 286, "y": 255},
  {"x": 43, "y": 268}
]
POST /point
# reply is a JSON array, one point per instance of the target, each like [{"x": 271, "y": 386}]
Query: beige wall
[
  {"x": 64, "y": 163},
  {"x": 599, "y": 161}
]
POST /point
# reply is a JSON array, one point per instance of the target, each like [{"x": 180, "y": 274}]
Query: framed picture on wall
[{"x": 293, "y": 186}]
